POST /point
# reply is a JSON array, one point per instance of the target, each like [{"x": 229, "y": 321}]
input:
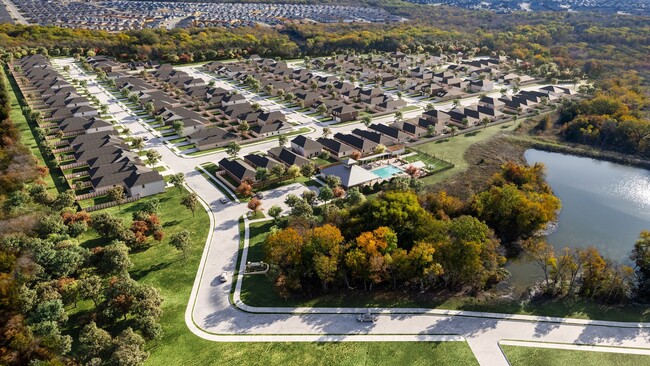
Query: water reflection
[{"x": 604, "y": 205}]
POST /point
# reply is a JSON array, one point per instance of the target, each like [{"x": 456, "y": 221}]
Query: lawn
[
  {"x": 54, "y": 180},
  {"x": 165, "y": 268},
  {"x": 453, "y": 149},
  {"x": 258, "y": 291},
  {"x": 531, "y": 356}
]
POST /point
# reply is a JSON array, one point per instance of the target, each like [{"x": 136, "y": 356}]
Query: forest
[{"x": 403, "y": 240}]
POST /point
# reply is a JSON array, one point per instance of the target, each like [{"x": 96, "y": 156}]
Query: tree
[
  {"x": 332, "y": 181},
  {"x": 515, "y": 213},
  {"x": 116, "y": 194},
  {"x": 293, "y": 172},
  {"x": 178, "y": 127},
  {"x": 325, "y": 194},
  {"x": 641, "y": 258},
  {"x": 542, "y": 254},
  {"x": 261, "y": 174},
  {"x": 64, "y": 199},
  {"x": 243, "y": 128},
  {"x": 322, "y": 109},
  {"x": 398, "y": 116},
  {"x": 137, "y": 143},
  {"x": 278, "y": 170},
  {"x": 115, "y": 259},
  {"x": 282, "y": 140},
  {"x": 181, "y": 241},
  {"x": 485, "y": 121},
  {"x": 149, "y": 107},
  {"x": 129, "y": 349},
  {"x": 367, "y": 120},
  {"x": 431, "y": 130},
  {"x": 177, "y": 180},
  {"x": 455, "y": 103},
  {"x": 91, "y": 288},
  {"x": 232, "y": 149},
  {"x": 309, "y": 196},
  {"x": 254, "y": 205},
  {"x": 379, "y": 149},
  {"x": 327, "y": 132},
  {"x": 94, "y": 343},
  {"x": 153, "y": 157},
  {"x": 245, "y": 189},
  {"x": 190, "y": 201},
  {"x": 354, "y": 197},
  {"x": 275, "y": 212},
  {"x": 308, "y": 170}
]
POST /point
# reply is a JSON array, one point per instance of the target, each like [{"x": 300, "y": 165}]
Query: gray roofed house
[
  {"x": 336, "y": 148},
  {"x": 364, "y": 146},
  {"x": 411, "y": 128},
  {"x": 287, "y": 157},
  {"x": 351, "y": 175},
  {"x": 238, "y": 170},
  {"x": 393, "y": 133},
  {"x": 260, "y": 161},
  {"x": 373, "y": 136},
  {"x": 306, "y": 147}
]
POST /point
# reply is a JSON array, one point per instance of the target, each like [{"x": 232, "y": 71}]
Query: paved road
[
  {"x": 211, "y": 315},
  {"x": 16, "y": 15}
]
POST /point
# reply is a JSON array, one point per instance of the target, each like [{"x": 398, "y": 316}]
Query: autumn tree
[
  {"x": 254, "y": 205},
  {"x": 245, "y": 189}
]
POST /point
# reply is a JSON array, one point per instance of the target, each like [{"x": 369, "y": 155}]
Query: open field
[{"x": 530, "y": 356}]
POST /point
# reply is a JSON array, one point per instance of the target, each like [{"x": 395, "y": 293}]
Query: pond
[{"x": 605, "y": 205}]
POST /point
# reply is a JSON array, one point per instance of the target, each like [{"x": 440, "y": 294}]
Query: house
[
  {"x": 392, "y": 133},
  {"x": 351, "y": 174},
  {"x": 363, "y": 145},
  {"x": 78, "y": 125},
  {"x": 437, "y": 116},
  {"x": 270, "y": 129},
  {"x": 260, "y": 161},
  {"x": 287, "y": 157},
  {"x": 336, "y": 148},
  {"x": 481, "y": 86},
  {"x": 344, "y": 113},
  {"x": 410, "y": 128},
  {"x": 238, "y": 170},
  {"x": 306, "y": 147},
  {"x": 373, "y": 136},
  {"x": 492, "y": 102},
  {"x": 213, "y": 137}
]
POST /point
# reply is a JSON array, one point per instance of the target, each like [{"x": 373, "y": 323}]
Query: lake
[{"x": 605, "y": 205}]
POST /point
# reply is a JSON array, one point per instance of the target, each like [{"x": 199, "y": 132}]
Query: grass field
[
  {"x": 258, "y": 291},
  {"x": 530, "y": 356},
  {"x": 453, "y": 149},
  {"x": 165, "y": 268}
]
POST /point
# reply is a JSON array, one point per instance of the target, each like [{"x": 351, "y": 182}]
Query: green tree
[
  {"x": 308, "y": 170},
  {"x": 282, "y": 140},
  {"x": 153, "y": 157},
  {"x": 293, "y": 172},
  {"x": 181, "y": 241},
  {"x": 177, "y": 180},
  {"x": 177, "y": 127},
  {"x": 232, "y": 149},
  {"x": 114, "y": 259},
  {"x": 190, "y": 201},
  {"x": 325, "y": 194}
]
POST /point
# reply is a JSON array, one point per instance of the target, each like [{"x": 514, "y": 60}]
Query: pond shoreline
[{"x": 582, "y": 151}]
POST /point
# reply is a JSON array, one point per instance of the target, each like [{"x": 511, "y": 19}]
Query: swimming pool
[{"x": 387, "y": 171}]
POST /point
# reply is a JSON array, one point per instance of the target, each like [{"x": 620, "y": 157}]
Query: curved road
[{"x": 211, "y": 315}]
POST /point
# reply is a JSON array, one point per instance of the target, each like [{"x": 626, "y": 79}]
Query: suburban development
[{"x": 322, "y": 184}]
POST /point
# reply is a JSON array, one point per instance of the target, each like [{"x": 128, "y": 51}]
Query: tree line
[{"x": 401, "y": 239}]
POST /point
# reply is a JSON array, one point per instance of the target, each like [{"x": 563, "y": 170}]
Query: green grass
[
  {"x": 531, "y": 356},
  {"x": 258, "y": 291},
  {"x": 452, "y": 149},
  {"x": 54, "y": 180},
  {"x": 165, "y": 268}
]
